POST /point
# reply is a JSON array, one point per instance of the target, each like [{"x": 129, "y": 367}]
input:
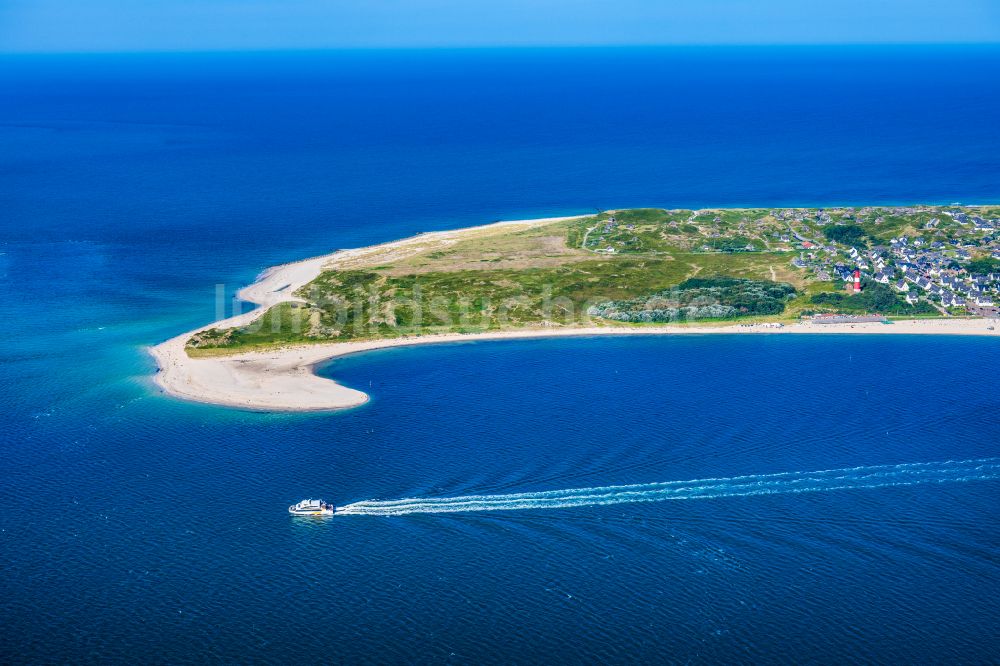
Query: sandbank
[{"x": 284, "y": 379}]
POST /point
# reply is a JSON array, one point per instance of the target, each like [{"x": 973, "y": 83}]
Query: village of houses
[
  {"x": 921, "y": 252},
  {"x": 928, "y": 265}
]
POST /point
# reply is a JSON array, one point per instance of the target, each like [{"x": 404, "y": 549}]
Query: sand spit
[{"x": 284, "y": 379}]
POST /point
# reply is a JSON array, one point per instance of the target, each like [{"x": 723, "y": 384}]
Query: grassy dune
[{"x": 549, "y": 275}]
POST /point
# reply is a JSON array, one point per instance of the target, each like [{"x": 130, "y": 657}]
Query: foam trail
[{"x": 877, "y": 476}]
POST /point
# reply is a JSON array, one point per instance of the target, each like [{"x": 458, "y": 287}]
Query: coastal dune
[{"x": 284, "y": 379}]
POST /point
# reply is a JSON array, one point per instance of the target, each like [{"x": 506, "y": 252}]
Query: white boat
[{"x": 312, "y": 507}]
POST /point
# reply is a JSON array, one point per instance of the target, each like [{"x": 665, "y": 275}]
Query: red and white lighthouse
[{"x": 857, "y": 281}]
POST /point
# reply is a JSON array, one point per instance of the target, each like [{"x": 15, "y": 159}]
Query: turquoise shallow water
[{"x": 136, "y": 527}]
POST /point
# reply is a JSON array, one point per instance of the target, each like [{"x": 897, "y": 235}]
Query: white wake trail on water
[{"x": 877, "y": 476}]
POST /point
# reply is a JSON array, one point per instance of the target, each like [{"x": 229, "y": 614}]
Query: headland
[{"x": 629, "y": 272}]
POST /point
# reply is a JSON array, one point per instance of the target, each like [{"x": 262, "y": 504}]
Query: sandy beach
[{"x": 284, "y": 379}]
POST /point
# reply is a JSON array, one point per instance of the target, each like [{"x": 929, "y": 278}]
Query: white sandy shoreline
[{"x": 284, "y": 379}]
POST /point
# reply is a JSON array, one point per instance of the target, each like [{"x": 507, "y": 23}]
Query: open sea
[{"x": 725, "y": 499}]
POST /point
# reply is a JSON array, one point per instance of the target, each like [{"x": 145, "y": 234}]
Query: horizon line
[{"x": 507, "y": 47}]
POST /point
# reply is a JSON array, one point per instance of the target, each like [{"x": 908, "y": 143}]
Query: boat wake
[{"x": 878, "y": 476}]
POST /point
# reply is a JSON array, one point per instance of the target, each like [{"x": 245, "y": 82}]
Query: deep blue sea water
[{"x": 134, "y": 527}]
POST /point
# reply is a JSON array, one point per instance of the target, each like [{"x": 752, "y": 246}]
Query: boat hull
[{"x": 322, "y": 512}]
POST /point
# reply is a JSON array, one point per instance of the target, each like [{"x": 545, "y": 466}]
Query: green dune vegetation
[
  {"x": 701, "y": 298},
  {"x": 627, "y": 267}
]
